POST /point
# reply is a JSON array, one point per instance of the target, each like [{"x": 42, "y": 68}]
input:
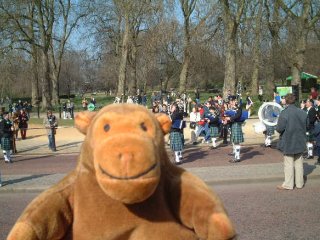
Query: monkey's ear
[
  {"x": 165, "y": 122},
  {"x": 83, "y": 120}
]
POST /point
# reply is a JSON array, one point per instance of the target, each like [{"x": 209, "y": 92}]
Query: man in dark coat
[
  {"x": 292, "y": 127},
  {"x": 312, "y": 116}
]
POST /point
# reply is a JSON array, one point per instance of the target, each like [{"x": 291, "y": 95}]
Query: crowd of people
[{"x": 213, "y": 119}]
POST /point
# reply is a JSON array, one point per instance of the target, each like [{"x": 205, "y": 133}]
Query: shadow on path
[{"x": 14, "y": 181}]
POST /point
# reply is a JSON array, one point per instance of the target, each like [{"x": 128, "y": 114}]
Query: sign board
[{"x": 284, "y": 90}]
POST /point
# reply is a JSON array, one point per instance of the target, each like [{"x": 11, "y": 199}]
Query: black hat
[
  {"x": 5, "y": 113},
  {"x": 232, "y": 98}
]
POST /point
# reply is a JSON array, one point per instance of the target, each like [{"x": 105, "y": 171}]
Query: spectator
[
  {"x": 64, "y": 110},
  {"x": 194, "y": 119},
  {"x": 313, "y": 93},
  {"x": 23, "y": 123},
  {"x": 260, "y": 93},
  {"x": 50, "y": 123},
  {"x": 292, "y": 127},
  {"x": 93, "y": 101},
  {"x": 71, "y": 109},
  {"x": 144, "y": 100},
  {"x": 197, "y": 95},
  {"x": 15, "y": 122},
  {"x": 84, "y": 104}
]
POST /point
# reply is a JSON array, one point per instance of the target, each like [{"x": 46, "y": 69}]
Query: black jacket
[{"x": 6, "y": 128}]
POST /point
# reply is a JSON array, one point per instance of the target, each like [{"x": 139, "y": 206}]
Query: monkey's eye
[
  {"x": 106, "y": 127},
  {"x": 143, "y": 127}
]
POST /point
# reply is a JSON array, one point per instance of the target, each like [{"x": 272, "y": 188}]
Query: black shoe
[
  {"x": 213, "y": 147},
  {"x": 309, "y": 157}
]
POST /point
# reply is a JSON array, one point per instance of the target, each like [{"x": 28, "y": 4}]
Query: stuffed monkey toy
[{"x": 125, "y": 187}]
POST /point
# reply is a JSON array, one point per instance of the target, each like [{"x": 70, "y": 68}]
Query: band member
[
  {"x": 236, "y": 128},
  {"x": 312, "y": 116},
  {"x": 7, "y": 134},
  {"x": 176, "y": 138},
  {"x": 214, "y": 122},
  {"x": 203, "y": 125},
  {"x": 268, "y": 135}
]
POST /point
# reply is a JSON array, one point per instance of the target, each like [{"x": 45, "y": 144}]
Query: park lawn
[{"x": 61, "y": 122}]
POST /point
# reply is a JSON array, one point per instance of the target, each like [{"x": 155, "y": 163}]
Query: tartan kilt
[
  {"x": 176, "y": 141},
  {"x": 214, "y": 131},
  {"x": 6, "y": 144},
  {"x": 236, "y": 133},
  {"x": 270, "y": 130}
]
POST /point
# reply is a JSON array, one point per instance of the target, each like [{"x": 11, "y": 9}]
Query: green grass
[{"x": 61, "y": 122}]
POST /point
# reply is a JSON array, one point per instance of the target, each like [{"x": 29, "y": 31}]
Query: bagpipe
[
  {"x": 230, "y": 113},
  {"x": 178, "y": 124}
]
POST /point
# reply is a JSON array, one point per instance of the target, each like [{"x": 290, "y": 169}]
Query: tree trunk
[
  {"x": 134, "y": 68},
  {"x": 123, "y": 61},
  {"x": 186, "y": 58},
  {"x": 298, "y": 60},
  {"x": 55, "y": 87},
  {"x": 230, "y": 62},
  {"x": 45, "y": 79},
  {"x": 256, "y": 54},
  {"x": 184, "y": 72},
  {"x": 35, "y": 78}
]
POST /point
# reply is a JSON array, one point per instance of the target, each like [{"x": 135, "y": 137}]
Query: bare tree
[
  {"x": 256, "y": 49},
  {"x": 69, "y": 20},
  {"x": 300, "y": 13},
  {"x": 231, "y": 21}
]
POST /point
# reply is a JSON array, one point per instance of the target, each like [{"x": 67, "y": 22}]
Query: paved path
[{"x": 258, "y": 163}]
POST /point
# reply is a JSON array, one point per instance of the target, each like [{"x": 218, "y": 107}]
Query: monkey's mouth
[{"x": 139, "y": 175}]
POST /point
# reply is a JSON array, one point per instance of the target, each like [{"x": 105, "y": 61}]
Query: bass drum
[{"x": 269, "y": 113}]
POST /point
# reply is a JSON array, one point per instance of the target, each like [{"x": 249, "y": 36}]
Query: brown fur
[{"x": 125, "y": 187}]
